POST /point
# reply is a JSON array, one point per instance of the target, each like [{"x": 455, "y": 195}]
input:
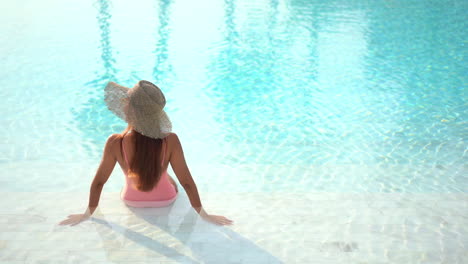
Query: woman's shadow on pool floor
[{"x": 208, "y": 243}]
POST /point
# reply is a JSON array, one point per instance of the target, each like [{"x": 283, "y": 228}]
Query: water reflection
[
  {"x": 93, "y": 119},
  {"x": 160, "y": 232},
  {"x": 162, "y": 71},
  {"x": 304, "y": 83},
  {"x": 414, "y": 79},
  {"x": 103, "y": 18},
  {"x": 260, "y": 78}
]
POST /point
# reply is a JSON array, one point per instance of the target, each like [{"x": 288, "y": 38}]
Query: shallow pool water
[
  {"x": 329, "y": 131},
  {"x": 370, "y": 96}
]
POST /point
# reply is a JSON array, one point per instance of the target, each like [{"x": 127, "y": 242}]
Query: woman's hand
[
  {"x": 75, "y": 219},
  {"x": 215, "y": 219}
]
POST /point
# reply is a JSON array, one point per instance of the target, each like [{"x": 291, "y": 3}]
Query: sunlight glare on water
[{"x": 265, "y": 95}]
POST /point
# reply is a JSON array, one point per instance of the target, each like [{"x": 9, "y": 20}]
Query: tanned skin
[{"x": 174, "y": 157}]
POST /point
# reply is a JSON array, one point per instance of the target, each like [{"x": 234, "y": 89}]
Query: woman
[{"x": 144, "y": 151}]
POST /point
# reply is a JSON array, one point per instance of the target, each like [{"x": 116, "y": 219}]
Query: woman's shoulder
[
  {"x": 112, "y": 143},
  {"x": 171, "y": 135},
  {"x": 114, "y": 137},
  {"x": 172, "y": 138},
  {"x": 115, "y": 140}
]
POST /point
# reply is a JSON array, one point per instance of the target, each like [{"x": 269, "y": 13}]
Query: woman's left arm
[{"x": 102, "y": 175}]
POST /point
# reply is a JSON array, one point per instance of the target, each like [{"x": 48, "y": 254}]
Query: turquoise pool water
[{"x": 265, "y": 95}]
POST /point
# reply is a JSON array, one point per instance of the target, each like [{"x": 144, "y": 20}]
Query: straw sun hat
[{"x": 140, "y": 106}]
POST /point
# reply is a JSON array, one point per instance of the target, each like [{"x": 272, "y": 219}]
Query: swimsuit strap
[
  {"x": 123, "y": 151},
  {"x": 163, "y": 150}
]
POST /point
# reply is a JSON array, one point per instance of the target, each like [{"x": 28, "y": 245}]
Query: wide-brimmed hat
[{"x": 140, "y": 106}]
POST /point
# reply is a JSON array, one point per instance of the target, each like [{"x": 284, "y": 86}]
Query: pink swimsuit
[{"x": 163, "y": 194}]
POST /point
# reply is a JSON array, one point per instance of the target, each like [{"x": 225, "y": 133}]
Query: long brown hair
[{"x": 145, "y": 167}]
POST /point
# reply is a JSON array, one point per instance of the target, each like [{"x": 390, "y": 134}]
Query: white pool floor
[{"x": 268, "y": 228}]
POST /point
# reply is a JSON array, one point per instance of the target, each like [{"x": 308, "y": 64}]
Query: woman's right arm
[{"x": 182, "y": 172}]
